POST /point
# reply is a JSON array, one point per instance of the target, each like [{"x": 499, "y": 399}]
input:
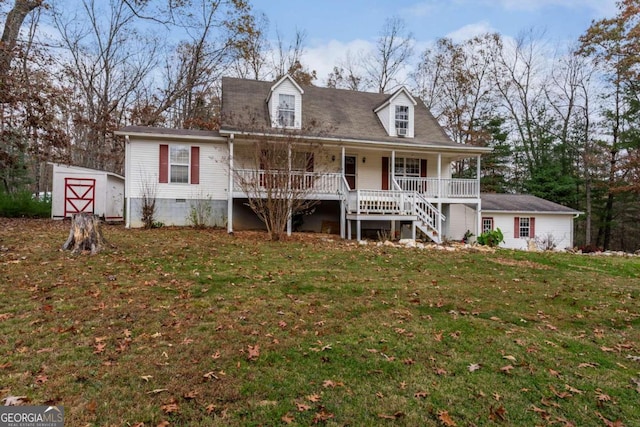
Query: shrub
[
  {"x": 491, "y": 238},
  {"x": 24, "y": 205}
]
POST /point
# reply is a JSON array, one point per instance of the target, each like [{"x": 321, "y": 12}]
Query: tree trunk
[
  {"x": 85, "y": 234},
  {"x": 12, "y": 25}
]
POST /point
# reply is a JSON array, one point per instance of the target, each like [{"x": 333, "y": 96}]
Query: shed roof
[{"x": 524, "y": 203}]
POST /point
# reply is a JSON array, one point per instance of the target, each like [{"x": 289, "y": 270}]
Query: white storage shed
[{"x": 83, "y": 190}]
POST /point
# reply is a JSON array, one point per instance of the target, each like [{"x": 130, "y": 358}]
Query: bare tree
[
  {"x": 284, "y": 181},
  {"x": 394, "y": 48},
  {"x": 109, "y": 60},
  {"x": 347, "y": 74}
]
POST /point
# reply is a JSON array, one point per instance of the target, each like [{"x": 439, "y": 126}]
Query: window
[
  {"x": 179, "y": 164},
  {"x": 487, "y": 224},
  {"x": 402, "y": 119},
  {"x": 524, "y": 227},
  {"x": 405, "y": 167},
  {"x": 287, "y": 110}
]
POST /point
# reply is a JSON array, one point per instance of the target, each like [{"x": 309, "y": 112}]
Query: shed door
[{"x": 79, "y": 195}]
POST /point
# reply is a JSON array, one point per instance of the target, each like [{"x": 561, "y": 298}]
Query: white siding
[
  {"x": 460, "y": 219},
  {"x": 559, "y": 227},
  {"x": 288, "y": 88},
  {"x": 387, "y": 115},
  {"x": 144, "y": 165}
]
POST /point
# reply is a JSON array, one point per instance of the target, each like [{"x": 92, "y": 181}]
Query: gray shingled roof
[
  {"x": 521, "y": 203},
  {"x": 127, "y": 130},
  {"x": 336, "y": 113}
]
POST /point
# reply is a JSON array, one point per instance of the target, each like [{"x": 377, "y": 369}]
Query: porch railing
[
  {"x": 444, "y": 188},
  {"x": 394, "y": 202},
  {"x": 315, "y": 183}
]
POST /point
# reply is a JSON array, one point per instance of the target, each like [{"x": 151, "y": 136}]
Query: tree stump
[{"x": 85, "y": 234}]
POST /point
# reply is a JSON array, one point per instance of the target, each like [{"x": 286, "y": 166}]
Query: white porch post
[
  {"x": 479, "y": 220},
  {"x": 289, "y": 189},
  {"x": 358, "y": 230},
  {"x": 439, "y": 175},
  {"x": 478, "y": 174},
  {"x": 230, "y": 188},
  {"x": 392, "y": 187},
  {"x": 343, "y": 207}
]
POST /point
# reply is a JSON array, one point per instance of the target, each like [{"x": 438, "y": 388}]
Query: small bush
[
  {"x": 491, "y": 238},
  {"x": 589, "y": 249},
  {"x": 24, "y": 205},
  {"x": 200, "y": 212}
]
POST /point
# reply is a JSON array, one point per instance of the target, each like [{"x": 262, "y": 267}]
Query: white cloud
[
  {"x": 323, "y": 57},
  {"x": 601, "y": 8},
  {"x": 469, "y": 31},
  {"x": 419, "y": 10}
]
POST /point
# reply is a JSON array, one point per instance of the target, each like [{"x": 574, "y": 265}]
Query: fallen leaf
[
  {"x": 91, "y": 406},
  {"x": 210, "y": 408},
  {"x": 211, "y": 375},
  {"x": 163, "y": 423},
  {"x": 216, "y": 355},
  {"x": 509, "y": 357},
  {"x": 609, "y": 423},
  {"x": 14, "y": 400},
  {"x": 588, "y": 365},
  {"x": 99, "y": 348},
  {"x": 473, "y": 367},
  {"x": 287, "y": 419},
  {"x": 146, "y": 377},
  {"x": 420, "y": 394},
  {"x": 314, "y": 398},
  {"x": 506, "y": 369},
  {"x": 497, "y": 414},
  {"x": 560, "y": 395},
  {"x": 395, "y": 416},
  {"x": 554, "y": 373},
  {"x": 636, "y": 382},
  {"x": 446, "y": 419},
  {"x": 322, "y": 416},
  {"x": 302, "y": 407},
  {"x": 41, "y": 379},
  {"x": 170, "y": 408},
  {"x": 190, "y": 395},
  {"x": 572, "y": 389},
  {"x": 254, "y": 352}
]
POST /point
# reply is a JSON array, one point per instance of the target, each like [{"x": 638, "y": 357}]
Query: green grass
[{"x": 161, "y": 327}]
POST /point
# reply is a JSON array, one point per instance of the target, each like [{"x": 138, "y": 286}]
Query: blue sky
[{"x": 336, "y": 26}]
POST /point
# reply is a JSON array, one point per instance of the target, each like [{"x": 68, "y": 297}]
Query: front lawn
[{"x": 185, "y": 327}]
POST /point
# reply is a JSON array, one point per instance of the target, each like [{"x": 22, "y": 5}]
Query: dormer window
[
  {"x": 286, "y": 110},
  {"x": 402, "y": 120}
]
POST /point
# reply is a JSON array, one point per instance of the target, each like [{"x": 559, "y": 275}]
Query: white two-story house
[{"x": 374, "y": 162}]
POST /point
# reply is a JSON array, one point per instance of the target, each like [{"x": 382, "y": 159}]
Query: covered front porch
[{"x": 370, "y": 184}]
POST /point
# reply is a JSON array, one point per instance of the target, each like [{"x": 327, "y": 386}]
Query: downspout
[
  {"x": 127, "y": 180},
  {"x": 230, "y": 187}
]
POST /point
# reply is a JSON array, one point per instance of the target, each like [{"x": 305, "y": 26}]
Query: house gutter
[{"x": 378, "y": 144}]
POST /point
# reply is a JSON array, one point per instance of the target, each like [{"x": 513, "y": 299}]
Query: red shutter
[
  {"x": 423, "y": 168},
  {"x": 195, "y": 165},
  {"x": 532, "y": 227},
  {"x": 516, "y": 227},
  {"x": 385, "y": 173},
  {"x": 164, "y": 164}
]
